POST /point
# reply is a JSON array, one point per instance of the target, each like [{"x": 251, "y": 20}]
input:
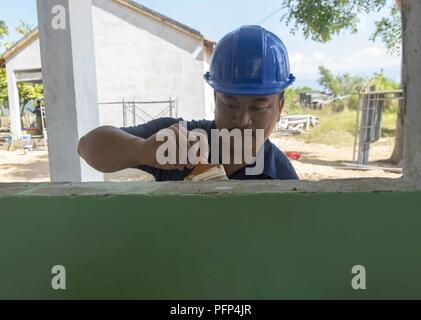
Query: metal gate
[{"x": 369, "y": 121}]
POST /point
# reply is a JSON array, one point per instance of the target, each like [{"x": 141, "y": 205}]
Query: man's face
[{"x": 248, "y": 112}]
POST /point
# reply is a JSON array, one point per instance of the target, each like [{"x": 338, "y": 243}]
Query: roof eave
[
  {"x": 21, "y": 44},
  {"x": 159, "y": 17},
  {"x": 209, "y": 44}
]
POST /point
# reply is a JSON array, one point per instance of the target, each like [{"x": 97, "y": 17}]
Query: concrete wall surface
[{"x": 153, "y": 241}]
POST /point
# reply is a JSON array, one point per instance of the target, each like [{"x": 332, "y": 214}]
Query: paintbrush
[{"x": 207, "y": 172}]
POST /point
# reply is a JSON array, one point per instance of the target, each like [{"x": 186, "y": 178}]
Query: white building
[{"x": 140, "y": 55}]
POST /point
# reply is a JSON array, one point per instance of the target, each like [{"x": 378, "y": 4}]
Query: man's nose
[{"x": 242, "y": 119}]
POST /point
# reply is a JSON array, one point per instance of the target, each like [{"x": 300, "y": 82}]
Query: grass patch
[
  {"x": 338, "y": 128},
  {"x": 389, "y": 124}
]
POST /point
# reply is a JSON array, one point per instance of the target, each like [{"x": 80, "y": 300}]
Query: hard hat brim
[{"x": 251, "y": 90}]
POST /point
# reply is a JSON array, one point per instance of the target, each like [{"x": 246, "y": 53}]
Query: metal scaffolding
[{"x": 134, "y": 112}]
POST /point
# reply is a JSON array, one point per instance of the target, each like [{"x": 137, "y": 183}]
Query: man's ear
[{"x": 281, "y": 107}]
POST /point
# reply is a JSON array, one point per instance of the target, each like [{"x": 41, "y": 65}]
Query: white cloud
[
  {"x": 371, "y": 57},
  {"x": 319, "y": 56},
  {"x": 370, "y": 52},
  {"x": 302, "y": 63},
  {"x": 296, "y": 58}
]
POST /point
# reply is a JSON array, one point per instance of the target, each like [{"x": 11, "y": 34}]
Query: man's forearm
[{"x": 109, "y": 149}]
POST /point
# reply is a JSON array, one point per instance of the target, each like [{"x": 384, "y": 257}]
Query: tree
[
  {"x": 3, "y": 83},
  {"x": 341, "y": 84},
  {"x": 3, "y": 32},
  {"x": 351, "y": 85},
  {"x": 23, "y": 28},
  {"x": 3, "y": 29},
  {"x": 381, "y": 82},
  {"x": 292, "y": 99},
  {"x": 322, "y": 19},
  {"x": 27, "y": 91},
  {"x": 3, "y": 87},
  {"x": 329, "y": 82}
]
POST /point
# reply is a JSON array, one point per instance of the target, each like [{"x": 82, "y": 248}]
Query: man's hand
[
  {"x": 109, "y": 149},
  {"x": 192, "y": 145}
]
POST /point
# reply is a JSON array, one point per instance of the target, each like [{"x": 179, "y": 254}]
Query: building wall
[
  {"x": 209, "y": 92},
  {"x": 139, "y": 58},
  {"x": 28, "y": 58}
]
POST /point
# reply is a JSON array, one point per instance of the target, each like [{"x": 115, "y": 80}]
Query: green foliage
[
  {"x": 338, "y": 119},
  {"x": 23, "y": 28},
  {"x": 351, "y": 84},
  {"x": 341, "y": 84},
  {"x": 3, "y": 29},
  {"x": 353, "y": 102},
  {"x": 334, "y": 128},
  {"x": 329, "y": 82},
  {"x": 338, "y": 128},
  {"x": 348, "y": 87},
  {"x": 322, "y": 19},
  {"x": 381, "y": 82},
  {"x": 292, "y": 99},
  {"x": 303, "y": 89},
  {"x": 291, "y": 95},
  {"x": 3, "y": 87},
  {"x": 3, "y": 32},
  {"x": 389, "y": 123},
  {"x": 3, "y": 83},
  {"x": 390, "y": 31},
  {"x": 27, "y": 91}
]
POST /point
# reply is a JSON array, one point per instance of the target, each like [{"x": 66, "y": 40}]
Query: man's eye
[
  {"x": 259, "y": 108},
  {"x": 230, "y": 106}
]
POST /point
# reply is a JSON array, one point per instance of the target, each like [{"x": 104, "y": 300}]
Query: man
[{"x": 249, "y": 73}]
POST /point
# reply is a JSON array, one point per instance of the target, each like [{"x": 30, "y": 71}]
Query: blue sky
[{"x": 347, "y": 52}]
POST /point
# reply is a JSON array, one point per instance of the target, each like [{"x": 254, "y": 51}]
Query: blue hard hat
[{"x": 250, "y": 61}]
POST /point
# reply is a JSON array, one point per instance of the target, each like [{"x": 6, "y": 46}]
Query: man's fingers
[
  {"x": 199, "y": 147},
  {"x": 189, "y": 148}
]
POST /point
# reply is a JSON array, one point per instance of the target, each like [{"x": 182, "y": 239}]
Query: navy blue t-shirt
[{"x": 276, "y": 164}]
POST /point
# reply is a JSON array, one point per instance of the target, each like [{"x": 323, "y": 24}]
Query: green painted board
[{"x": 233, "y": 246}]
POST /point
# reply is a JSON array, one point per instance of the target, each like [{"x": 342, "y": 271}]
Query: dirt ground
[{"x": 318, "y": 162}]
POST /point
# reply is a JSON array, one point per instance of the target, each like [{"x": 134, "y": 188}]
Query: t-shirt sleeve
[
  {"x": 150, "y": 128},
  {"x": 290, "y": 173},
  {"x": 145, "y": 131},
  {"x": 285, "y": 168}
]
